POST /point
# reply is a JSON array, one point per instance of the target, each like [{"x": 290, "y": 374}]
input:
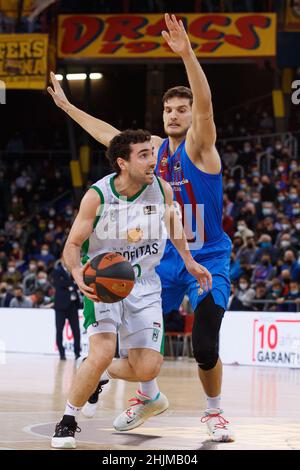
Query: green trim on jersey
[
  {"x": 161, "y": 188},
  {"x": 102, "y": 204},
  {"x": 162, "y": 346},
  {"x": 88, "y": 312},
  {"x": 120, "y": 196},
  {"x": 85, "y": 245}
]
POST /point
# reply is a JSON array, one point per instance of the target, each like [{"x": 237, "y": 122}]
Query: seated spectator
[
  {"x": 243, "y": 230},
  {"x": 237, "y": 243},
  {"x": 265, "y": 247},
  {"x": 44, "y": 255},
  {"x": 270, "y": 229},
  {"x": 234, "y": 303},
  {"x": 40, "y": 300},
  {"x": 19, "y": 300},
  {"x": 264, "y": 270},
  {"x": 268, "y": 191},
  {"x": 244, "y": 292},
  {"x": 5, "y": 295},
  {"x": 247, "y": 252},
  {"x": 260, "y": 295},
  {"x": 274, "y": 293},
  {"x": 292, "y": 265},
  {"x": 293, "y": 295},
  {"x": 12, "y": 273},
  {"x": 43, "y": 283},
  {"x": 284, "y": 243}
]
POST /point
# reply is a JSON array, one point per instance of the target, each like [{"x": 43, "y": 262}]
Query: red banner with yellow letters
[
  {"x": 139, "y": 36},
  {"x": 23, "y": 60}
]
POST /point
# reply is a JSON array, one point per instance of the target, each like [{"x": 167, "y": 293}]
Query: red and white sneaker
[{"x": 218, "y": 427}]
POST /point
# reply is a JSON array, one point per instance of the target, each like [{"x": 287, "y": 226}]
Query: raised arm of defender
[
  {"x": 201, "y": 138},
  {"x": 178, "y": 238},
  {"x": 100, "y": 130}
]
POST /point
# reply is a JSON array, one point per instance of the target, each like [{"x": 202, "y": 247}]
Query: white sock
[
  {"x": 213, "y": 402},
  {"x": 72, "y": 410},
  {"x": 150, "y": 388},
  {"x": 105, "y": 376}
]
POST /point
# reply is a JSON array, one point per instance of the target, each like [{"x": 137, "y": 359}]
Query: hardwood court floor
[{"x": 262, "y": 404}]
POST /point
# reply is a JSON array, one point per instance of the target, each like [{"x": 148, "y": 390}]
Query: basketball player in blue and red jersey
[{"x": 189, "y": 161}]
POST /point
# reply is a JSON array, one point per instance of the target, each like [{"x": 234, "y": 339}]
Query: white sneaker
[
  {"x": 90, "y": 408},
  {"x": 217, "y": 425},
  {"x": 141, "y": 408}
]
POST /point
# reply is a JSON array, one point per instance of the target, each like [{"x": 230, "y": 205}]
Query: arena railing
[{"x": 267, "y": 302}]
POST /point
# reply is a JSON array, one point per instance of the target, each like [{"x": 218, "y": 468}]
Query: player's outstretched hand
[
  {"x": 176, "y": 36},
  {"x": 57, "y": 93}
]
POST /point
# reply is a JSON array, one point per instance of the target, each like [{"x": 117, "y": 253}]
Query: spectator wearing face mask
[
  {"x": 243, "y": 230},
  {"x": 277, "y": 149},
  {"x": 245, "y": 293},
  {"x": 291, "y": 265},
  {"x": 229, "y": 157},
  {"x": 234, "y": 303},
  {"x": 292, "y": 208},
  {"x": 5, "y": 295},
  {"x": 284, "y": 243},
  {"x": 248, "y": 250},
  {"x": 293, "y": 296},
  {"x": 43, "y": 283},
  {"x": 256, "y": 201},
  {"x": 246, "y": 156},
  {"x": 12, "y": 273},
  {"x": 40, "y": 300},
  {"x": 275, "y": 292},
  {"x": 237, "y": 243},
  {"x": 264, "y": 270},
  {"x": 268, "y": 192},
  {"x": 231, "y": 189},
  {"x": 260, "y": 296},
  {"x": 29, "y": 279},
  {"x": 19, "y": 300},
  {"x": 265, "y": 247},
  {"x": 44, "y": 255},
  {"x": 295, "y": 233},
  {"x": 270, "y": 229},
  {"x": 10, "y": 225},
  {"x": 239, "y": 203},
  {"x": 268, "y": 210}
]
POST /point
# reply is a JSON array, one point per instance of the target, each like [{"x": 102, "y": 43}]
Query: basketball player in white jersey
[{"x": 128, "y": 212}]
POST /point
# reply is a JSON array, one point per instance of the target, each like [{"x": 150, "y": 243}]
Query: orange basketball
[{"x": 111, "y": 276}]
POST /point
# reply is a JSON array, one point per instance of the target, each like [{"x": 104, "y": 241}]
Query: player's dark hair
[
  {"x": 119, "y": 146},
  {"x": 178, "y": 92}
]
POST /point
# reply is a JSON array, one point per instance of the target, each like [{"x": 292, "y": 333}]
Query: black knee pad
[{"x": 205, "y": 334}]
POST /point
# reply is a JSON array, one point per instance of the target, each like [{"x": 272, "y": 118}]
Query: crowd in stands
[{"x": 261, "y": 215}]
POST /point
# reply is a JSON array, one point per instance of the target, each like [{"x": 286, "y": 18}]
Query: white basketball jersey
[{"x": 133, "y": 227}]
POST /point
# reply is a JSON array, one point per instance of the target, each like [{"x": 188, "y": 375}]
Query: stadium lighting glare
[
  {"x": 79, "y": 76},
  {"x": 95, "y": 76},
  {"x": 76, "y": 76}
]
